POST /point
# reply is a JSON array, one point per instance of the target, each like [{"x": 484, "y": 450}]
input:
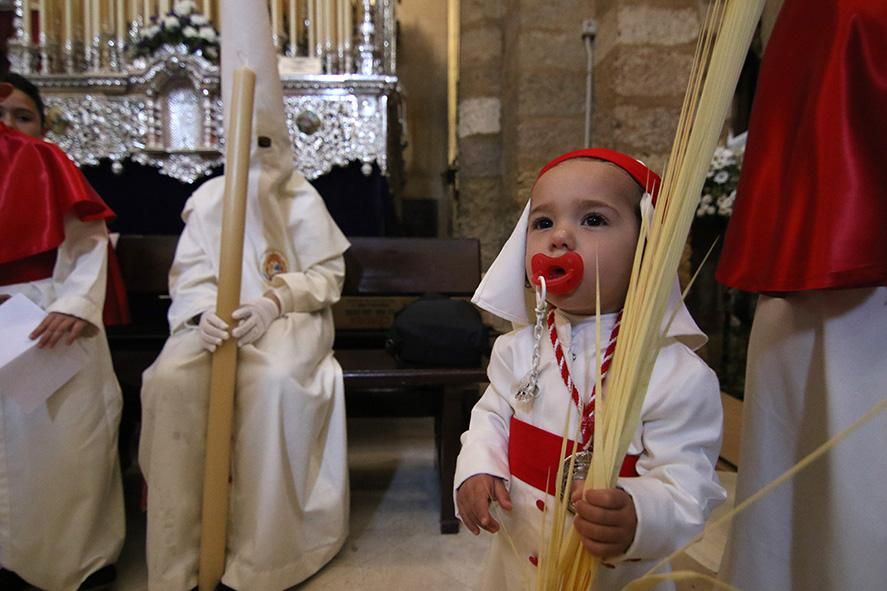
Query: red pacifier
[{"x": 562, "y": 274}]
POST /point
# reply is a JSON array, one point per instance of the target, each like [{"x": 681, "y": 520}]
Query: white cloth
[
  {"x": 289, "y": 491},
  {"x": 678, "y": 442},
  {"x": 61, "y": 499},
  {"x": 816, "y": 363}
]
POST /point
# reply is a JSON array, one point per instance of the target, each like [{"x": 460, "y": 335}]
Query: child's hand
[
  {"x": 606, "y": 520},
  {"x": 474, "y": 497},
  {"x": 56, "y": 327}
]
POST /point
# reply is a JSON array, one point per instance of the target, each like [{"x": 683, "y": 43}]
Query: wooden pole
[{"x": 214, "y": 517}]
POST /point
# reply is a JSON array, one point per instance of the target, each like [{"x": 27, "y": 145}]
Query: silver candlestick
[{"x": 367, "y": 63}]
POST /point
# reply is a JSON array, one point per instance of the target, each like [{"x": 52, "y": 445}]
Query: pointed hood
[{"x": 246, "y": 41}]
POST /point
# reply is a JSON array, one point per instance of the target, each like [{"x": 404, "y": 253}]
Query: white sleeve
[
  {"x": 80, "y": 271},
  {"x": 681, "y": 437},
  {"x": 316, "y": 288},
  {"x": 193, "y": 284},
  {"x": 485, "y": 444}
]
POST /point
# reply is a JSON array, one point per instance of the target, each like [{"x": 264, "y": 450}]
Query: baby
[{"x": 584, "y": 211}]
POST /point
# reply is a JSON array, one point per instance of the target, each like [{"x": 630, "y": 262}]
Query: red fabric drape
[
  {"x": 39, "y": 185},
  {"x": 812, "y": 198}
]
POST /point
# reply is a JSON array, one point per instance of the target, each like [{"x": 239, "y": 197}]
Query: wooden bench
[{"x": 382, "y": 274}]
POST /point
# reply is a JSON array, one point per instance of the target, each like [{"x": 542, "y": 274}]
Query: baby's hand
[
  {"x": 474, "y": 497},
  {"x": 606, "y": 520}
]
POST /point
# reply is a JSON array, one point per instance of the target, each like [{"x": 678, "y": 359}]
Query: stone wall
[
  {"x": 522, "y": 93},
  {"x": 521, "y": 100}
]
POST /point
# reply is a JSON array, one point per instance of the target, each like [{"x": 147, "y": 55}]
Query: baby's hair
[{"x": 27, "y": 87}]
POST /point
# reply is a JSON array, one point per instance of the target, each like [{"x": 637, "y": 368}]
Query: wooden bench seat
[{"x": 382, "y": 274}]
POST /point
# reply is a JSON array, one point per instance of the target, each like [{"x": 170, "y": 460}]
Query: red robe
[
  {"x": 812, "y": 199},
  {"x": 39, "y": 186}
]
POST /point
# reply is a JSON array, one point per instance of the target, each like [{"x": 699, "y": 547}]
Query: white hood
[{"x": 246, "y": 41}]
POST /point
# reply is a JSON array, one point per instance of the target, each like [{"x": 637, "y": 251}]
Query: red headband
[
  {"x": 646, "y": 178},
  {"x": 5, "y": 89}
]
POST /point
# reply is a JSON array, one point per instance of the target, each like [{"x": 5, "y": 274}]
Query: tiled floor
[{"x": 394, "y": 541}]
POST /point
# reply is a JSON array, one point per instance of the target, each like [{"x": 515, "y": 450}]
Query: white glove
[
  {"x": 254, "y": 318},
  {"x": 213, "y": 330}
]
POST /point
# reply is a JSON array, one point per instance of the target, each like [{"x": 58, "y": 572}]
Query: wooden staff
[{"x": 214, "y": 517}]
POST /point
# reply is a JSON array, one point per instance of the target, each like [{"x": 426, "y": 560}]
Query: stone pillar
[
  {"x": 643, "y": 54},
  {"x": 544, "y": 90},
  {"x": 521, "y": 100},
  {"x": 478, "y": 210}
]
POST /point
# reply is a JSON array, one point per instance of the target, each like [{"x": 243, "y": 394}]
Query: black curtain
[{"x": 147, "y": 202}]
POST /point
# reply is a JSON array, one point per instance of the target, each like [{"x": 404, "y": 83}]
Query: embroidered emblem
[{"x": 273, "y": 262}]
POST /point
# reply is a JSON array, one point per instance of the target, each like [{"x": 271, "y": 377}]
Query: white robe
[
  {"x": 816, "y": 363},
  {"x": 61, "y": 499},
  {"x": 678, "y": 442},
  {"x": 289, "y": 493}
]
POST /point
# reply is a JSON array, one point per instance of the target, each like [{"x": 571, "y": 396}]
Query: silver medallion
[
  {"x": 527, "y": 390},
  {"x": 581, "y": 465}
]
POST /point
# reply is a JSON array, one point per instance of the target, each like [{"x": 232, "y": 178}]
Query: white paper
[{"x": 29, "y": 375}]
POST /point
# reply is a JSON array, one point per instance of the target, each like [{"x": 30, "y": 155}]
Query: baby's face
[{"x": 590, "y": 207}]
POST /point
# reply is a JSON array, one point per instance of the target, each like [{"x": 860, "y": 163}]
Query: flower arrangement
[
  {"x": 183, "y": 25},
  {"x": 719, "y": 189}
]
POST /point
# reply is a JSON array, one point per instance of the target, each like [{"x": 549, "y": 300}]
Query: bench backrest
[
  {"x": 402, "y": 267},
  {"x": 412, "y": 266}
]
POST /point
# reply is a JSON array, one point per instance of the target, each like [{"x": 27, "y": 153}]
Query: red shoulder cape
[
  {"x": 812, "y": 199},
  {"x": 39, "y": 185}
]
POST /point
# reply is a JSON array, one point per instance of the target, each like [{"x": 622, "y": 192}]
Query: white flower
[
  {"x": 198, "y": 20},
  {"x": 189, "y": 32},
  {"x": 723, "y": 157},
  {"x": 184, "y": 7},
  {"x": 725, "y": 204},
  {"x": 208, "y": 33},
  {"x": 151, "y": 31},
  {"x": 721, "y": 177},
  {"x": 171, "y": 22}
]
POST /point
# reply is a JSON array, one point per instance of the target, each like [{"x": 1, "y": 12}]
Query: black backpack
[{"x": 437, "y": 331}]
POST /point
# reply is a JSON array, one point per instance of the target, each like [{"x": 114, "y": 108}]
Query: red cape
[
  {"x": 39, "y": 185},
  {"x": 812, "y": 199}
]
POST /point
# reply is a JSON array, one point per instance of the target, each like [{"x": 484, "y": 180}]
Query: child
[
  {"x": 585, "y": 206},
  {"x": 62, "y": 519},
  {"x": 23, "y": 110}
]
